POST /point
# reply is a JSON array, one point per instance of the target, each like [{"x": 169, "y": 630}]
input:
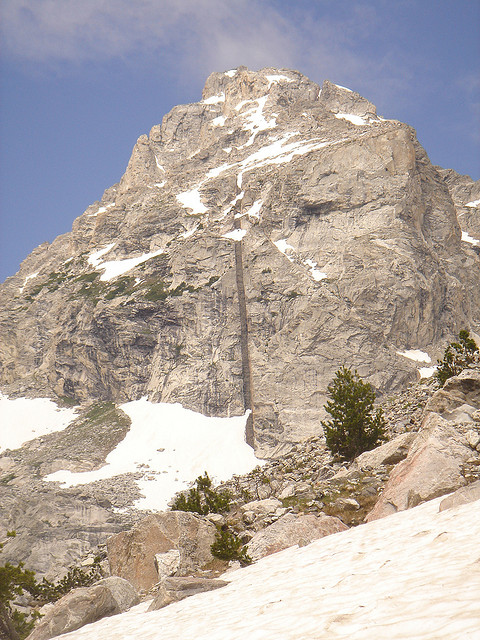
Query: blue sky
[{"x": 80, "y": 81}]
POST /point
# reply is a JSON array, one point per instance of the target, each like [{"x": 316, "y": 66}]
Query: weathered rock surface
[
  {"x": 432, "y": 468},
  {"x": 471, "y": 493},
  {"x": 175, "y": 589},
  {"x": 392, "y": 452},
  {"x": 352, "y": 253},
  {"x": 131, "y": 554},
  {"x": 466, "y": 197},
  {"x": 85, "y": 605},
  {"x": 290, "y": 530},
  {"x": 167, "y": 563},
  {"x": 459, "y": 398},
  {"x": 57, "y": 527}
]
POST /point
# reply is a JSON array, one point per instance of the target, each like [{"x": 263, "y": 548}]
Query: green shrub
[
  {"x": 354, "y": 427},
  {"x": 202, "y": 498},
  {"x": 228, "y": 546},
  {"x": 47, "y": 591},
  {"x": 458, "y": 356}
]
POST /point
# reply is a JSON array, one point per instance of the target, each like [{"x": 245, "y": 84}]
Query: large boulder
[
  {"x": 131, "y": 554},
  {"x": 432, "y": 468},
  {"x": 290, "y": 530},
  {"x": 85, "y": 605}
]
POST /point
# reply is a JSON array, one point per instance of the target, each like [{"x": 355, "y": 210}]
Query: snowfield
[
  {"x": 171, "y": 446},
  {"x": 414, "y": 575},
  {"x": 24, "y": 419}
]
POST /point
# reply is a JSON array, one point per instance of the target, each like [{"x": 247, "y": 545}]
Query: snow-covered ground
[
  {"x": 171, "y": 446},
  {"x": 23, "y": 419},
  {"x": 414, "y": 575}
]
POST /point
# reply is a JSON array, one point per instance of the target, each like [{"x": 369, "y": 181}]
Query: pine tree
[
  {"x": 14, "y": 580},
  {"x": 354, "y": 426},
  {"x": 458, "y": 356}
]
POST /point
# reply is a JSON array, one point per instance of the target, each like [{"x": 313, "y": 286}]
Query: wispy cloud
[{"x": 198, "y": 36}]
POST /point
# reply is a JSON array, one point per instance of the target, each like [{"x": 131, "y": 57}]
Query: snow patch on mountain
[
  {"x": 316, "y": 274},
  {"x": 236, "y": 234},
  {"x": 283, "y": 247},
  {"x": 277, "y": 78},
  {"x": 415, "y": 354},
  {"x": 102, "y": 209},
  {"x": 23, "y": 419},
  {"x": 114, "y": 268},
  {"x": 466, "y": 237},
  {"x": 427, "y": 372},
  {"x": 357, "y": 120},
  {"x": 254, "y": 210},
  {"x": 95, "y": 258},
  {"x": 214, "y": 99},
  {"x": 29, "y": 277},
  {"x": 192, "y": 200},
  {"x": 171, "y": 446}
]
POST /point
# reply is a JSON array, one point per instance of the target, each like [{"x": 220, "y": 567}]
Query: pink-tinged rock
[
  {"x": 431, "y": 469},
  {"x": 290, "y": 530},
  {"x": 131, "y": 554}
]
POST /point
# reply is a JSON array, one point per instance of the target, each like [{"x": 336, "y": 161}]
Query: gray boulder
[
  {"x": 85, "y": 605},
  {"x": 175, "y": 589},
  {"x": 290, "y": 530},
  {"x": 459, "y": 399},
  {"x": 391, "y": 452},
  {"x": 467, "y": 494}
]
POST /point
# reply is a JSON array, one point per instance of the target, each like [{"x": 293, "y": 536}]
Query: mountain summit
[{"x": 259, "y": 239}]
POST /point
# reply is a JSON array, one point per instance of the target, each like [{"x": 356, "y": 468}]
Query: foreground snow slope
[{"x": 413, "y": 575}]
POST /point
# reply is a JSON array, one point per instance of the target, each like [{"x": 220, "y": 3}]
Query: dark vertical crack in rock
[{"x": 246, "y": 367}]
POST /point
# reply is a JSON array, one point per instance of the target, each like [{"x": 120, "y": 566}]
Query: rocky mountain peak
[{"x": 259, "y": 239}]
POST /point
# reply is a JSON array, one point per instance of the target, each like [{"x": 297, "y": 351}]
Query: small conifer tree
[
  {"x": 228, "y": 546},
  {"x": 354, "y": 426},
  {"x": 458, "y": 356}
]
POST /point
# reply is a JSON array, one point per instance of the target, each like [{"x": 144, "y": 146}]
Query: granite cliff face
[{"x": 258, "y": 240}]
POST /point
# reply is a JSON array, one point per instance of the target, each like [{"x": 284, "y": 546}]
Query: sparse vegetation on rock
[
  {"x": 202, "y": 498},
  {"x": 457, "y": 357}
]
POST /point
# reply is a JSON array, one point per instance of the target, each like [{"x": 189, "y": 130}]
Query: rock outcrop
[
  {"x": 350, "y": 247},
  {"x": 131, "y": 554},
  {"x": 85, "y": 605},
  {"x": 292, "y": 530},
  {"x": 437, "y": 459}
]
